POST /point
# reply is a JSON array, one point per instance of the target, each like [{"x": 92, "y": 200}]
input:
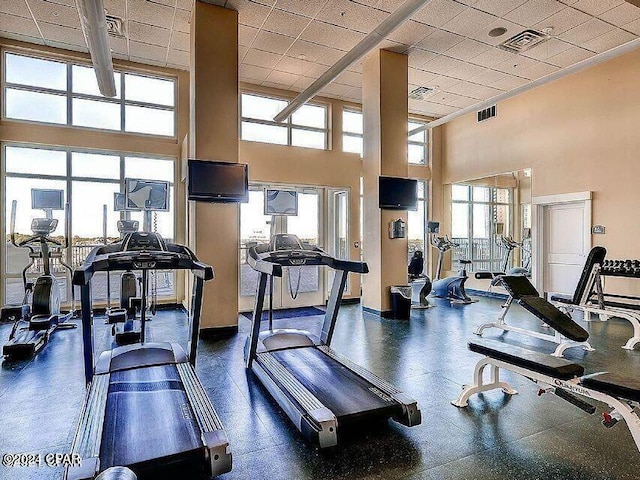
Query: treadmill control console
[{"x": 143, "y": 241}]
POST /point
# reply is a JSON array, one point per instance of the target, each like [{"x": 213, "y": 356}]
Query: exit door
[{"x": 299, "y": 286}]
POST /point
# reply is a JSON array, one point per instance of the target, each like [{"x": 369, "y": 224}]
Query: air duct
[
  {"x": 393, "y": 21},
  {"x": 94, "y": 26}
]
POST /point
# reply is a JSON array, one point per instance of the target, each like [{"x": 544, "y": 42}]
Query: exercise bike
[
  {"x": 451, "y": 288},
  {"x": 34, "y": 323}
]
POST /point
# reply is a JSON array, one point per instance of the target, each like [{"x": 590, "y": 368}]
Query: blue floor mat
[{"x": 288, "y": 313}]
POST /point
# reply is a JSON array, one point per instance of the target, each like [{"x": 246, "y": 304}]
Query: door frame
[{"x": 538, "y": 209}]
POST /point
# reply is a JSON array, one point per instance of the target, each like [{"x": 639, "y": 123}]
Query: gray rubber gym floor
[{"x": 496, "y": 437}]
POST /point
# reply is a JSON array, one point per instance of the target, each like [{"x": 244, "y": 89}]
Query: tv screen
[
  {"x": 398, "y": 193},
  {"x": 146, "y": 195},
  {"x": 217, "y": 181},
  {"x": 280, "y": 202},
  {"x": 42, "y": 199}
]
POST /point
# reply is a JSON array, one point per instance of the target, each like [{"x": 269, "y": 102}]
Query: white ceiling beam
[
  {"x": 576, "y": 67},
  {"x": 94, "y": 26},
  {"x": 368, "y": 43}
]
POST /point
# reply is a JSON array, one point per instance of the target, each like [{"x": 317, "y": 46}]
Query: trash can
[{"x": 401, "y": 302}]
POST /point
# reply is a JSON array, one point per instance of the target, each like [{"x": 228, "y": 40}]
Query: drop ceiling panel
[
  {"x": 418, "y": 57},
  {"x": 116, "y": 7},
  {"x": 19, "y": 25},
  {"x": 597, "y": 7},
  {"x": 563, "y": 20},
  {"x": 587, "y": 31},
  {"x": 351, "y": 15},
  {"x": 15, "y": 7},
  {"x": 498, "y": 7},
  {"x": 509, "y": 83},
  {"x": 260, "y": 58},
  {"x": 331, "y": 35},
  {"x": 534, "y": 11},
  {"x": 622, "y": 14},
  {"x": 182, "y": 20},
  {"x": 439, "y": 12},
  {"x": 180, "y": 41},
  {"x": 144, "y": 50},
  {"x": 467, "y": 49},
  {"x": 633, "y": 27},
  {"x": 571, "y": 56},
  {"x": 150, "y": 13},
  {"x": 547, "y": 49},
  {"x": 308, "y": 8},
  {"x": 285, "y": 23},
  {"x": 253, "y": 73},
  {"x": 411, "y": 33},
  {"x": 421, "y": 77},
  {"x": 609, "y": 40},
  {"x": 482, "y": 35},
  {"x": 469, "y": 22},
  {"x": 250, "y": 13},
  {"x": 440, "y": 41},
  {"x": 246, "y": 35},
  {"x": 144, "y": 33},
  {"x": 273, "y": 42},
  {"x": 54, "y": 13},
  {"x": 178, "y": 57}
]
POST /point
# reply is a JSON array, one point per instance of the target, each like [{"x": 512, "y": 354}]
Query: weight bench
[
  {"x": 583, "y": 301},
  {"x": 559, "y": 376},
  {"x": 567, "y": 334}
]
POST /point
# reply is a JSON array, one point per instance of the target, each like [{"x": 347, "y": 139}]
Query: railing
[{"x": 481, "y": 252}]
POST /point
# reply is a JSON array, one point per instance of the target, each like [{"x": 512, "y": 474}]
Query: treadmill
[
  {"x": 318, "y": 388},
  {"x": 145, "y": 408}
]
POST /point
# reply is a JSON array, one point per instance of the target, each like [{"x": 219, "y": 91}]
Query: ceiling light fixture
[
  {"x": 497, "y": 32},
  {"x": 94, "y": 27},
  {"x": 368, "y": 43}
]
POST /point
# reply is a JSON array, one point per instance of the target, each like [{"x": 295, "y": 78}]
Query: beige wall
[{"x": 577, "y": 134}]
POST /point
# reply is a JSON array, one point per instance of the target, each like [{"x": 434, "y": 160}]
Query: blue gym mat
[{"x": 288, "y": 313}]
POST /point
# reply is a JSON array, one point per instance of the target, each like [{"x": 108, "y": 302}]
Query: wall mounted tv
[
  {"x": 398, "y": 193},
  {"x": 217, "y": 182}
]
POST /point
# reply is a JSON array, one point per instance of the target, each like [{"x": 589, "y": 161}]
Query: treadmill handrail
[
  {"x": 101, "y": 259},
  {"x": 262, "y": 260}
]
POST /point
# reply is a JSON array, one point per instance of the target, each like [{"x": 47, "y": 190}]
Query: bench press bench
[
  {"x": 589, "y": 298},
  {"x": 567, "y": 333},
  {"x": 560, "y": 376}
]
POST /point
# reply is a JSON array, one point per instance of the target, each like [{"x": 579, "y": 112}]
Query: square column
[
  {"x": 213, "y": 136},
  {"x": 385, "y": 109}
]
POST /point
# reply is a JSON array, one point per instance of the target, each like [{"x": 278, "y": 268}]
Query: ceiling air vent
[
  {"x": 523, "y": 41},
  {"x": 115, "y": 26},
  {"x": 487, "y": 113},
  {"x": 421, "y": 93}
]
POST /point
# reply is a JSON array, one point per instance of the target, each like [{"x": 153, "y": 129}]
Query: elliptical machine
[
  {"x": 34, "y": 324},
  {"x": 451, "y": 288}
]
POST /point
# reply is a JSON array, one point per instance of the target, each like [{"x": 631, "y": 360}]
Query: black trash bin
[{"x": 401, "y": 302}]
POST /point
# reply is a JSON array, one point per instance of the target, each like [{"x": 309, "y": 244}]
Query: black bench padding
[
  {"x": 518, "y": 286},
  {"x": 614, "y": 385},
  {"x": 549, "y": 314},
  {"x": 521, "y": 357}
]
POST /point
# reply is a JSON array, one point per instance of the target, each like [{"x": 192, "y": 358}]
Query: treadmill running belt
[
  {"x": 147, "y": 417},
  {"x": 344, "y": 392}
]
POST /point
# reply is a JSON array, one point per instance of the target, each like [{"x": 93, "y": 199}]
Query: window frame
[
  {"x": 424, "y": 145},
  {"x": 425, "y": 235},
  {"x": 69, "y": 94},
  {"x": 68, "y": 179},
  {"x": 290, "y": 126},
  {"x": 495, "y": 259}
]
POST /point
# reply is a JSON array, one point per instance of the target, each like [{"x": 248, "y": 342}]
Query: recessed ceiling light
[{"x": 497, "y": 32}]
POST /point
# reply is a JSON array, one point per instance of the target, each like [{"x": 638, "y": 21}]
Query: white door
[{"x": 565, "y": 246}]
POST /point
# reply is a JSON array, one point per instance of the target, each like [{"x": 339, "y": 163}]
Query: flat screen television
[
  {"x": 43, "y": 199},
  {"x": 217, "y": 182},
  {"x": 280, "y": 202},
  {"x": 146, "y": 195},
  {"x": 398, "y": 193}
]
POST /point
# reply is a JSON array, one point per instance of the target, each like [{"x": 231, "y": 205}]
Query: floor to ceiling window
[{"x": 89, "y": 181}]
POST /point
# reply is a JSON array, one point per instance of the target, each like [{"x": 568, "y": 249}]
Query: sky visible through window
[{"x": 38, "y": 90}]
